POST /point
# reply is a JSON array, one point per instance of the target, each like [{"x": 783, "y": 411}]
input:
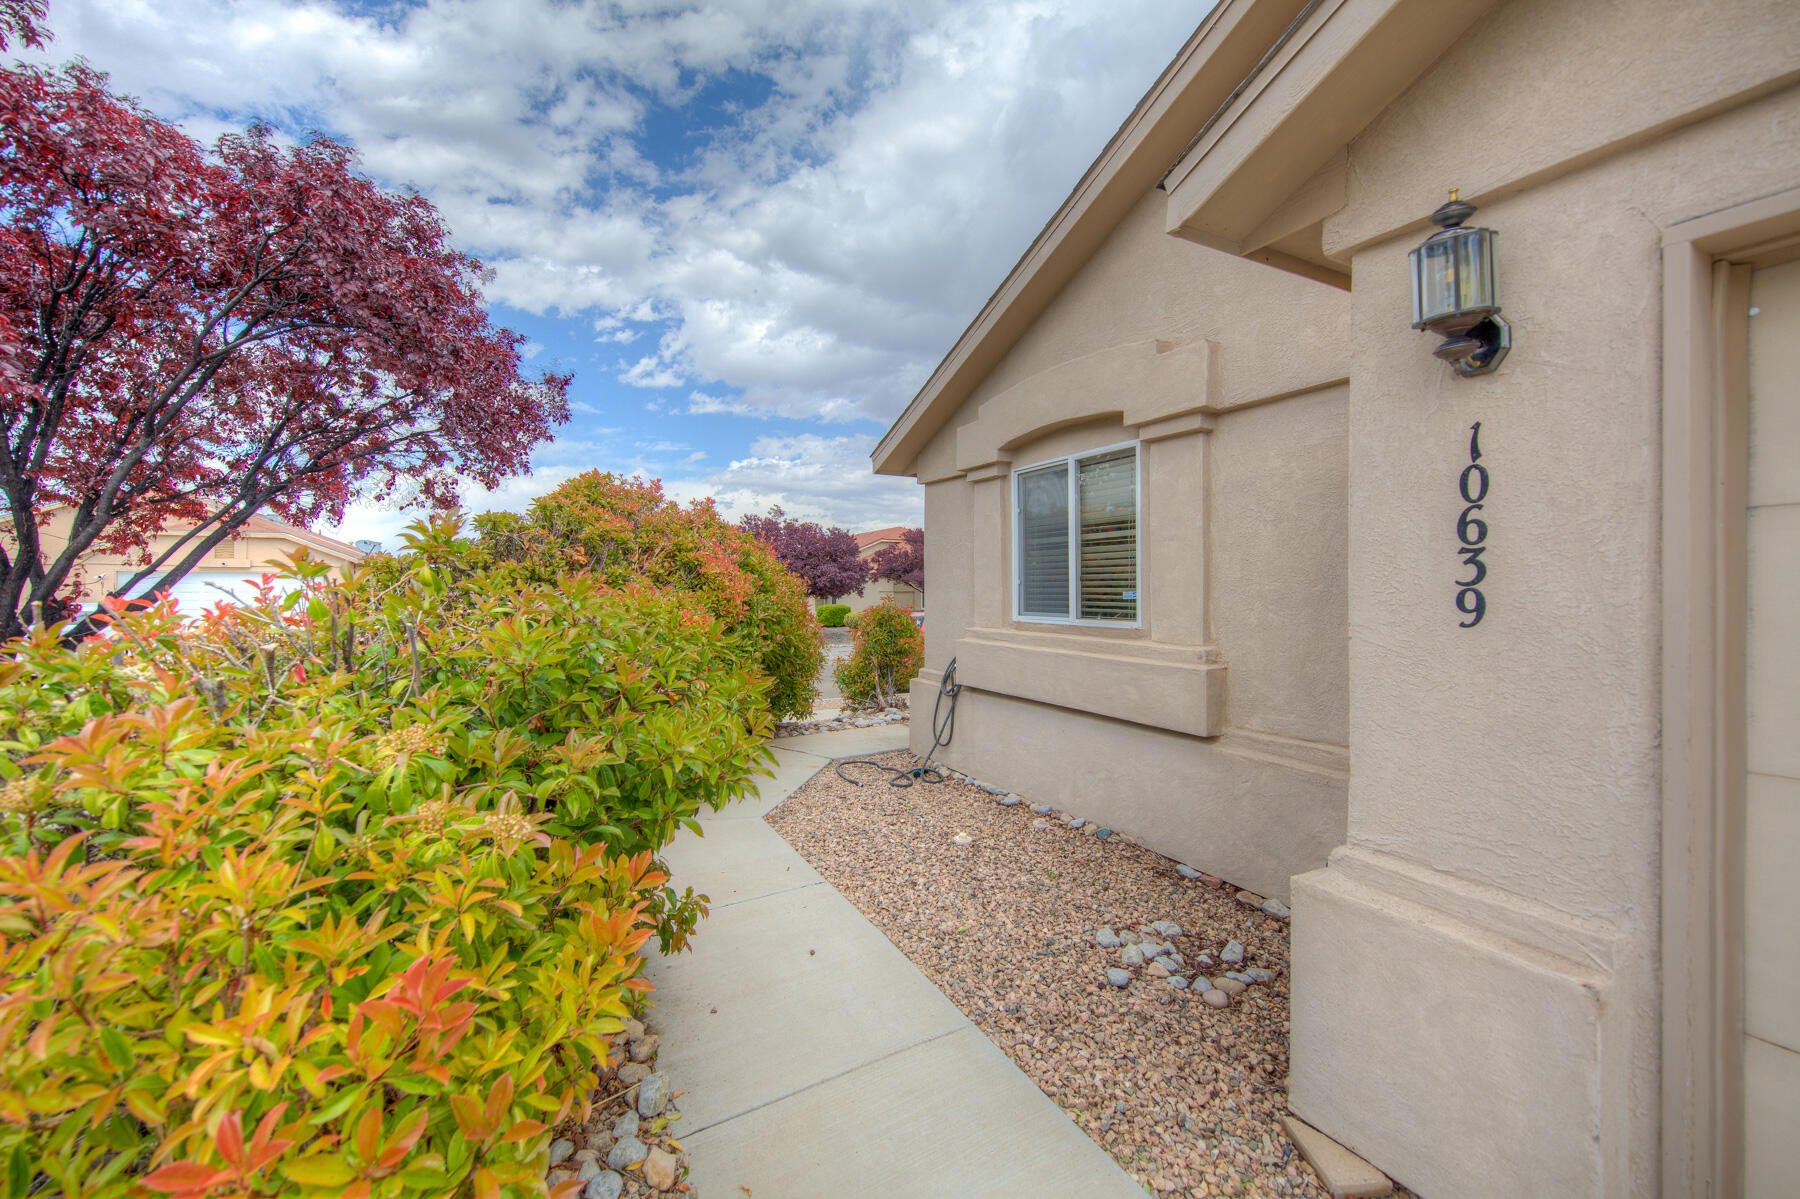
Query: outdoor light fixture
[{"x": 1456, "y": 291}]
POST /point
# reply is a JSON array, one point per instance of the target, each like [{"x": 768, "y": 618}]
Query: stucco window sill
[{"x": 1175, "y": 687}]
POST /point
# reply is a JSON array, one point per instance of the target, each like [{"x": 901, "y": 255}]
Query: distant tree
[
  {"x": 825, "y": 559},
  {"x": 903, "y": 562},
  {"x": 195, "y": 337}
]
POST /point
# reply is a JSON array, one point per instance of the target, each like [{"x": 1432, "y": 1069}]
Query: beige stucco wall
[
  {"x": 880, "y": 591},
  {"x": 1279, "y": 564},
  {"x": 877, "y": 591},
  {"x": 99, "y": 573},
  {"x": 1503, "y": 847},
  {"x": 1215, "y": 731},
  {"x": 1276, "y": 334}
]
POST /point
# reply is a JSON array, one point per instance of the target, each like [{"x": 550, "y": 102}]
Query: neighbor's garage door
[
  {"x": 199, "y": 589},
  {"x": 1772, "y": 710}
]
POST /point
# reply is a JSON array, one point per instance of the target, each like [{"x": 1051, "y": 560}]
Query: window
[{"x": 1075, "y": 525}]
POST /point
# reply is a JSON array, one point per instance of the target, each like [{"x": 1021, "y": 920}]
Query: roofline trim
[{"x": 1231, "y": 39}]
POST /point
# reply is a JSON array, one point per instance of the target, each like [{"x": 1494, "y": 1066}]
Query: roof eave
[{"x": 1273, "y": 162}]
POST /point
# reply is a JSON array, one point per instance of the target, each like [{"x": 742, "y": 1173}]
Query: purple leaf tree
[
  {"x": 825, "y": 559},
  {"x": 903, "y": 562}
]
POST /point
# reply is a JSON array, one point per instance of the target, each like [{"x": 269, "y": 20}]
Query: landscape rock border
[
  {"x": 1008, "y": 799},
  {"x": 848, "y": 718},
  {"x": 626, "y": 1148}
]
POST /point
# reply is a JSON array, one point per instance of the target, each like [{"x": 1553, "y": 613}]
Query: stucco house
[
  {"x": 879, "y": 590},
  {"x": 261, "y": 541},
  {"x": 1495, "y": 676}
]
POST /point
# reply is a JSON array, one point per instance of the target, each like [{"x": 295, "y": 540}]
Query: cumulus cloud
[
  {"x": 778, "y": 209},
  {"x": 814, "y": 245},
  {"x": 701, "y": 404},
  {"x": 812, "y": 478},
  {"x": 651, "y": 372}
]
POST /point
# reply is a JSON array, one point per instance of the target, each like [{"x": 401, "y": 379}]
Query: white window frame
[{"x": 1074, "y": 502}]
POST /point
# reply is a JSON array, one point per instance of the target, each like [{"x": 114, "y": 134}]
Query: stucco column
[
  {"x": 1474, "y": 1000},
  {"x": 1174, "y": 467},
  {"x": 989, "y": 493}
]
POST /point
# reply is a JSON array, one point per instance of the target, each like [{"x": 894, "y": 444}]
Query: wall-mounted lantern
[{"x": 1456, "y": 291}]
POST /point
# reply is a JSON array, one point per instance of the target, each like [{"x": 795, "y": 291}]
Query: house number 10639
[{"x": 1471, "y": 531}]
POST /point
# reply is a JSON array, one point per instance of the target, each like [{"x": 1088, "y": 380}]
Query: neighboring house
[
  {"x": 261, "y": 542},
  {"x": 877, "y": 590},
  {"x": 1199, "y": 507}
]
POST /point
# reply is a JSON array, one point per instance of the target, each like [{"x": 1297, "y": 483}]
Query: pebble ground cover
[{"x": 1185, "y": 1096}]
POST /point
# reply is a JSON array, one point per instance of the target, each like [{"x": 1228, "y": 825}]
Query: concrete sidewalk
[{"x": 816, "y": 1059}]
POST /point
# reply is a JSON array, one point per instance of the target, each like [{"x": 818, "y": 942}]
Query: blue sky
[{"x": 749, "y": 229}]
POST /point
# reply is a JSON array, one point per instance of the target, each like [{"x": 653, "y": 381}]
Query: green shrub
[
  {"x": 888, "y": 652},
  {"x": 342, "y": 893},
  {"x": 854, "y": 619},
  {"x": 831, "y": 616},
  {"x": 624, "y": 531}
]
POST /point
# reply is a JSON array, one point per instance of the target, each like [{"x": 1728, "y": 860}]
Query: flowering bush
[
  {"x": 625, "y": 531},
  {"x": 888, "y": 652},
  {"x": 341, "y": 893}
]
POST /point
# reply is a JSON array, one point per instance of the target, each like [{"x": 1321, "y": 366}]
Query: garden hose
[{"x": 941, "y": 732}]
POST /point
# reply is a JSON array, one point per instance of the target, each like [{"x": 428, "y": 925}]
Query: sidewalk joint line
[
  {"x": 950, "y": 1032},
  {"x": 810, "y": 753},
  {"x": 819, "y": 882}
]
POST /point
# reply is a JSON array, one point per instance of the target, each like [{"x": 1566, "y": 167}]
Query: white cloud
[
  {"x": 515, "y": 494},
  {"x": 808, "y": 254},
  {"x": 819, "y": 250},
  {"x": 701, "y": 404},
  {"x": 612, "y": 329},
  {"x": 811, "y": 477},
  {"x": 651, "y": 372}
]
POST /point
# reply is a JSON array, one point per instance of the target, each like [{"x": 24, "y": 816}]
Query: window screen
[
  {"x": 1077, "y": 526},
  {"x": 1043, "y": 530},
  {"x": 1108, "y": 535}
]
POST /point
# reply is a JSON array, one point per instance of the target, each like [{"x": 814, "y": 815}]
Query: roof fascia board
[
  {"x": 306, "y": 537},
  {"x": 1213, "y": 61},
  {"x": 337, "y": 550},
  {"x": 1348, "y": 62}
]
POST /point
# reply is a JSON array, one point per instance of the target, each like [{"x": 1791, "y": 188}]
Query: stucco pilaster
[
  {"x": 1174, "y": 501},
  {"x": 988, "y": 546}
]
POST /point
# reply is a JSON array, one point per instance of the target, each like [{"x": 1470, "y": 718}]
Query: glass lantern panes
[{"x": 1454, "y": 284}]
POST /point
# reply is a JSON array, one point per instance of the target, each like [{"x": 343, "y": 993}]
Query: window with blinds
[
  {"x": 1043, "y": 528},
  {"x": 1107, "y": 545},
  {"x": 1075, "y": 521}
]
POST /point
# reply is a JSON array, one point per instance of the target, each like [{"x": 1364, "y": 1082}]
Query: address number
[{"x": 1471, "y": 533}]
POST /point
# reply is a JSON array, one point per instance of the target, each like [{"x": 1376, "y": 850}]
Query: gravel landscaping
[
  {"x": 830, "y": 720},
  {"x": 627, "y": 1148},
  {"x": 1150, "y": 1005}
]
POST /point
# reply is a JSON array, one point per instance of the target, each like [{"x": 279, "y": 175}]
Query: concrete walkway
[{"x": 816, "y": 1059}]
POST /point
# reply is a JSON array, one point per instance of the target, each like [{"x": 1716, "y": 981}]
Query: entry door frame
[{"x": 1707, "y": 263}]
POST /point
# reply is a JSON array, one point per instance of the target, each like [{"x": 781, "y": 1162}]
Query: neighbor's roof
[
  {"x": 1223, "y": 51},
  {"x": 877, "y": 536},
  {"x": 267, "y": 526}
]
